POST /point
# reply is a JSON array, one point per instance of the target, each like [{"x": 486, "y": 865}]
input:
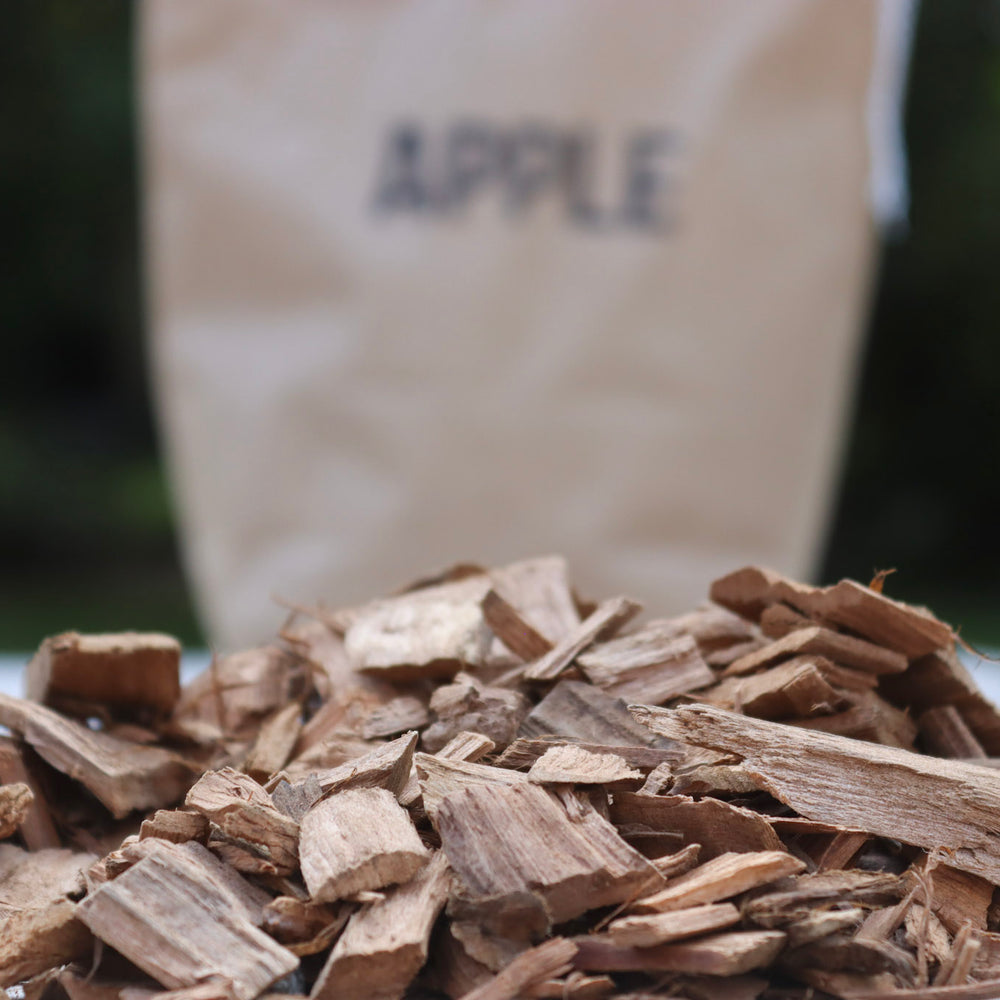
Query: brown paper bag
[{"x": 461, "y": 279}]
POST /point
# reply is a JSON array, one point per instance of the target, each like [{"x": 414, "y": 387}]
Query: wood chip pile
[{"x": 486, "y": 788}]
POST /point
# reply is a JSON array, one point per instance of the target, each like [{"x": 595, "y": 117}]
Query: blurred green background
[{"x": 85, "y": 521}]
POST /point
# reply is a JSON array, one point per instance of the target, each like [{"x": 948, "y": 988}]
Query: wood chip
[
  {"x": 892, "y": 793},
  {"x": 946, "y": 734},
  {"x": 653, "y": 665},
  {"x": 718, "y": 826},
  {"x": 726, "y": 954},
  {"x": 356, "y": 840},
  {"x": 33, "y": 940},
  {"x": 572, "y": 765},
  {"x": 817, "y": 641},
  {"x": 506, "y": 841},
  {"x": 576, "y": 711},
  {"x": 275, "y": 741},
  {"x": 609, "y": 617},
  {"x": 511, "y": 629},
  {"x": 133, "y": 669},
  {"x": 124, "y": 776},
  {"x": 661, "y": 928},
  {"x": 385, "y": 944},
  {"x": 37, "y": 828},
  {"x": 531, "y": 968},
  {"x": 172, "y": 919},
  {"x": 15, "y": 805},
  {"x": 721, "y": 878},
  {"x": 247, "y": 828}
]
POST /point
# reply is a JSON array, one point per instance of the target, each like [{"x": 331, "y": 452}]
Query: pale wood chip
[
  {"x": 573, "y": 765},
  {"x": 721, "y": 878},
  {"x": 355, "y": 840}
]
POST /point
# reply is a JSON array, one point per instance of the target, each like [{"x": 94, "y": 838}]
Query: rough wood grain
[
  {"x": 385, "y": 944},
  {"x": 398, "y": 715},
  {"x": 718, "y": 826},
  {"x": 34, "y": 940},
  {"x": 524, "y": 751},
  {"x": 576, "y": 711},
  {"x": 247, "y": 828},
  {"x": 133, "y": 669},
  {"x": 506, "y": 841},
  {"x": 122, "y": 775},
  {"x": 356, "y": 840},
  {"x": 818, "y": 641},
  {"x": 796, "y": 688},
  {"x": 653, "y": 664},
  {"x": 573, "y": 765},
  {"x": 721, "y": 878},
  {"x": 169, "y": 916},
  {"x": 910, "y": 630},
  {"x": 533, "y": 967},
  {"x": 891, "y": 793},
  {"x": 468, "y": 705},
  {"x": 387, "y": 766},
  {"x": 463, "y": 746},
  {"x": 604, "y": 622},
  {"x": 662, "y": 928},
  {"x": 726, "y": 954}
]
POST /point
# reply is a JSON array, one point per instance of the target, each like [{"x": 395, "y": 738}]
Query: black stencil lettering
[
  {"x": 400, "y": 186},
  {"x": 470, "y": 159},
  {"x": 645, "y": 181},
  {"x": 529, "y": 164}
]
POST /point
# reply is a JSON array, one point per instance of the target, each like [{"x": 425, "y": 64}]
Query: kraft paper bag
[{"x": 473, "y": 280}]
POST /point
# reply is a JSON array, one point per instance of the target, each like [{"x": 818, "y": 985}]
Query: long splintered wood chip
[
  {"x": 33, "y": 940},
  {"x": 889, "y": 792},
  {"x": 662, "y": 928},
  {"x": 170, "y": 917},
  {"x": 122, "y": 775},
  {"x": 910, "y": 630},
  {"x": 819, "y": 641},
  {"x": 125, "y": 668},
  {"x": 718, "y": 826},
  {"x": 517, "y": 840},
  {"x": 727, "y": 954},
  {"x": 15, "y": 804},
  {"x": 530, "y": 968},
  {"x": 357, "y": 840},
  {"x": 651, "y": 665},
  {"x": 572, "y": 765},
  {"x": 385, "y": 944},
  {"x": 721, "y": 878},
  {"x": 607, "y": 619}
]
